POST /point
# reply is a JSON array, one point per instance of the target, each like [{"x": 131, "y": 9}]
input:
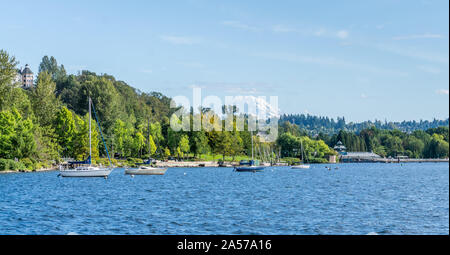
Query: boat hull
[
  {"x": 86, "y": 173},
  {"x": 154, "y": 171},
  {"x": 301, "y": 167},
  {"x": 249, "y": 169}
]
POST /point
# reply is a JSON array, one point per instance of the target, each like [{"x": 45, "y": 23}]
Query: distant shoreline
[
  {"x": 29, "y": 171},
  {"x": 201, "y": 164}
]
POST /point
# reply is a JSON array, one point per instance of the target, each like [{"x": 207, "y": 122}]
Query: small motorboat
[
  {"x": 301, "y": 167},
  {"x": 145, "y": 170}
]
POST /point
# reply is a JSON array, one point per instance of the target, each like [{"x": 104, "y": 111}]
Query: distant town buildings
[{"x": 24, "y": 77}]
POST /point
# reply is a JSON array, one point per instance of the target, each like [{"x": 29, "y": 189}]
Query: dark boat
[{"x": 249, "y": 166}]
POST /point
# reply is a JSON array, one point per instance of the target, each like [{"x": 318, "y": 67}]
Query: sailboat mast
[
  {"x": 251, "y": 133},
  {"x": 148, "y": 141},
  {"x": 303, "y": 151},
  {"x": 90, "y": 146}
]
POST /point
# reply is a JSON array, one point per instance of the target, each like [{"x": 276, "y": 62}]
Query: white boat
[
  {"x": 301, "y": 167},
  {"x": 146, "y": 170},
  {"x": 86, "y": 169}
]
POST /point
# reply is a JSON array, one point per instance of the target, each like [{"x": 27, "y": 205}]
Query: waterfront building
[
  {"x": 359, "y": 157},
  {"x": 356, "y": 156},
  {"x": 340, "y": 148}
]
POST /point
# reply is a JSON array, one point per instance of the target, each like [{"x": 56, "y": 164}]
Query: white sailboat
[
  {"x": 301, "y": 166},
  {"x": 86, "y": 169}
]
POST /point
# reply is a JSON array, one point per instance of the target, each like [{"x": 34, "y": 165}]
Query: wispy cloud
[
  {"x": 282, "y": 29},
  {"x": 181, "y": 39},
  {"x": 364, "y": 96},
  {"x": 430, "y": 69},
  {"x": 196, "y": 65},
  {"x": 236, "y": 87},
  {"x": 239, "y": 25},
  {"x": 342, "y": 34},
  {"x": 419, "y": 36},
  {"x": 320, "y": 32},
  {"x": 330, "y": 61},
  {"x": 414, "y": 53},
  {"x": 147, "y": 71},
  {"x": 442, "y": 92}
]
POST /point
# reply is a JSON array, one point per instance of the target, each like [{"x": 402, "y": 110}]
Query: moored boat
[
  {"x": 146, "y": 170},
  {"x": 85, "y": 168},
  {"x": 88, "y": 171},
  {"x": 301, "y": 167},
  {"x": 249, "y": 166}
]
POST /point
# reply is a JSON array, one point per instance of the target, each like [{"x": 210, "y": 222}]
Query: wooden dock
[{"x": 394, "y": 160}]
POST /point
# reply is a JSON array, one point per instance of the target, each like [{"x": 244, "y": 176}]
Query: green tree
[
  {"x": 152, "y": 145},
  {"x": 81, "y": 138},
  {"x": 199, "y": 143},
  {"x": 50, "y": 65},
  {"x": 8, "y": 69},
  {"x": 105, "y": 98},
  {"x": 139, "y": 143},
  {"x": 414, "y": 145},
  {"x": 437, "y": 147},
  {"x": 16, "y": 136},
  {"x": 65, "y": 130},
  {"x": 44, "y": 101},
  {"x": 166, "y": 152},
  {"x": 184, "y": 144}
]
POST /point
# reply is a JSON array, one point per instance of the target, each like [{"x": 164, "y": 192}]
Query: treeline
[
  {"x": 432, "y": 143},
  {"x": 41, "y": 125},
  {"x": 317, "y": 124},
  {"x": 49, "y": 122}
]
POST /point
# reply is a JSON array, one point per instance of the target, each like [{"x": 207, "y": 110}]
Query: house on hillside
[{"x": 24, "y": 77}]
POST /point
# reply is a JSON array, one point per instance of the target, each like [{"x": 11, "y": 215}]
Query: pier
[{"x": 393, "y": 160}]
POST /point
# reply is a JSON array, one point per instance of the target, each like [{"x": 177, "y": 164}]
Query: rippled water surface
[{"x": 355, "y": 199}]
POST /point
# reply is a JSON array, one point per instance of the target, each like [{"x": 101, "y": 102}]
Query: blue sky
[{"x": 358, "y": 59}]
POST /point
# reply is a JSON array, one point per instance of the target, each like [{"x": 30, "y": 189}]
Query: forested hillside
[
  {"x": 315, "y": 124},
  {"x": 41, "y": 125}
]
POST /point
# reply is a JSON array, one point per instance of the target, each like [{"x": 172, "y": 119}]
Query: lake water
[{"x": 355, "y": 199}]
